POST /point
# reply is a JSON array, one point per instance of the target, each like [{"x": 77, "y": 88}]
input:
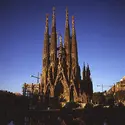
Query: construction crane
[
  {"x": 37, "y": 77},
  {"x": 102, "y": 86}
]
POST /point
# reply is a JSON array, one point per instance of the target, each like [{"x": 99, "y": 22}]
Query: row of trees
[
  {"x": 12, "y": 106},
  {"x": 10, "y": 101}
]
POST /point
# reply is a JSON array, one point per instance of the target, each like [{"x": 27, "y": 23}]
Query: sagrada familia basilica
[{"x": 61, "y": 75}]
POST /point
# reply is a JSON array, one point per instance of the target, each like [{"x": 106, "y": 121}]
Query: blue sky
[{"x": 100, "y": 29}]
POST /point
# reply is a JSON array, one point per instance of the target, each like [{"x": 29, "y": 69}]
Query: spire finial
[
  {"x": 84, "y": 66},
  {"x": 54, "y": 9},
  {"x": 53, "y": 17},
  {"x": 73, "y": 25},
  {"x": 47, "y": 20},
  {"x": 67, "y": 17},
  {"x": 88, "y": 70},
  {"x": 83, "y": 63},
  {"x": 87, "y": 65},
  {"x": 73, "y": 20},
  {"x": 84, "y": 71}
]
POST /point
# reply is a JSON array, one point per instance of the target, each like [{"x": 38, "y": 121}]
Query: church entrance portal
[{"x": 59, "y": 89}]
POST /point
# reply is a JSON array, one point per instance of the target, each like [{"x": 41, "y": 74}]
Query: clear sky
[{"x": 100, "y": 29}]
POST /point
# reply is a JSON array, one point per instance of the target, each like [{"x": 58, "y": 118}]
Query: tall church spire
[
  {"x": 74, "y": 43},
  {"x": 89, "y": 83},
  {"x": 53, "y": 18},
  {"x": 46, "y": 24},
  {"x": 84, "y": 71},
  {"x": 67, "y": 44},
  {"x": 67, "y": 20},
  {"x": 45, "y": 57},
  {"x": 88, "y": 71},
  {"x": 53, "y": 45},
  {"x": 74, "y": 57},
  {"x": 46, "y": 44},
  {"x": 67, "y": 34},
  {"x": 53, "y": 34},
  {"x": 73, "y": 27}
]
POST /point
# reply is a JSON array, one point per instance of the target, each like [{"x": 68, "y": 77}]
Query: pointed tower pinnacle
[
  {"x": 67, "y": 29},
  {"x": 53, "y": 45},
  {"x": 53, "y": 18},
  {"x": 84, "y": 71},
  {"x": 88, "y": 71},
  {"x": 47, "y": 24},
  {"x": 67, "y": 42},
  {"x": 67, "y": 45},
  {"x": 53, "y": 36},
  {"x": 46, "y": 43},
  {"x": 67, "y": 18},
  {"x": 45, "y": 58},
  {"x": 73, "y": 26},
  {"x": 89, "y": 84},
  {"x": 74, "y": 44},
  {"x": 67, "y": 33}
]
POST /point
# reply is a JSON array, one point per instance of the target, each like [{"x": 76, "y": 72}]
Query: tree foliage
[
  {"x": 109, "y": 99},
  {"x": 9, "y": 101},
  {"x": 98, "y": 98}
]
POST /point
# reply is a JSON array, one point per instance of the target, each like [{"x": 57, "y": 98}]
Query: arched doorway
[{"x": 59, "y": 89}]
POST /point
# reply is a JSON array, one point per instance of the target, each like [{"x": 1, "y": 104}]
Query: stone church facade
[
  {"x": 61, "y": 71},
  {"x": 61, "y": 75}
]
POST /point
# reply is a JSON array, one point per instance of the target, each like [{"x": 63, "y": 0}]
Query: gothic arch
[
  {"x": 59, "y": 89},
  {"x": 61, "y": 79}
]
